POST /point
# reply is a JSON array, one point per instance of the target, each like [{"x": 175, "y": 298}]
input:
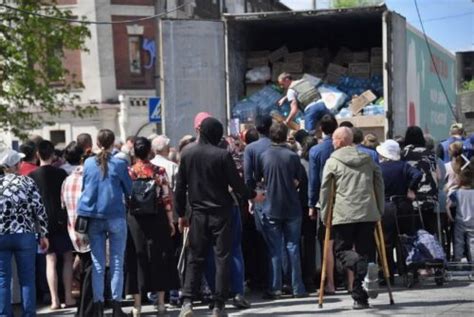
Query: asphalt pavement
[{"x": 455, "y": 298}]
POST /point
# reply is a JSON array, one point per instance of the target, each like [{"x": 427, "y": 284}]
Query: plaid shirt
[{"x": 70, "y": 192}]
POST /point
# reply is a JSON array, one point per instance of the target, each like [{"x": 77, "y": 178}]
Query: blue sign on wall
[{"x": 154, "y": 109}]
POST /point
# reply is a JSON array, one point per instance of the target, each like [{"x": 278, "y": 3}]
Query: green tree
[
  {"x": 339, "y": 4},
  {"x": 33, "y": 79},
  {"x": 468, "y": 85}
]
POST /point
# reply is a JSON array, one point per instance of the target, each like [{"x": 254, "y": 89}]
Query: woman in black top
[{"x": 417, "y": 155}]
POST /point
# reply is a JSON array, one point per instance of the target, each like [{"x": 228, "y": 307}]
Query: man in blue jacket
[
  {"x": 457, "y": 134},
  {"x": 280, "y": 169}
]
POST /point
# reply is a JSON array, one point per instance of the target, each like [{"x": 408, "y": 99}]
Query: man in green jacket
[{"x": 358, "y": 204}]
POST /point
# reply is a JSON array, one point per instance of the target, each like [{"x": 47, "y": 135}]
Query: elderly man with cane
[{"x": 355, "y": 183}]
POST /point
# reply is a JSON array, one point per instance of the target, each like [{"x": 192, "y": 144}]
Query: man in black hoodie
[{"x": 206, "y": 172}]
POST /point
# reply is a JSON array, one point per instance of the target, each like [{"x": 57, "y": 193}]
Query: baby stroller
[{"x": 416, "y": 248}]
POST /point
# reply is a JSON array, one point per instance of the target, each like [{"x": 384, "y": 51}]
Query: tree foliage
[
  {"x": 468, "y": 85},
  {"x": 340, "y": 4},
  {"x": 33, "y": 79}
]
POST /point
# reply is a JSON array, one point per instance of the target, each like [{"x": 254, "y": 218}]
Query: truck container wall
[
  {"x": 192, "y": 73},
  {"x": 427, "y": 104}
]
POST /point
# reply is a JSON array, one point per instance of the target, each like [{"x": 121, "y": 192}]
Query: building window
[
  {"x": 134, "y": 54},
  {"x": 57, "y": 136}
]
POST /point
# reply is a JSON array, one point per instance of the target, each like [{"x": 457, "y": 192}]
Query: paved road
[{"x": 456, "y": 298}]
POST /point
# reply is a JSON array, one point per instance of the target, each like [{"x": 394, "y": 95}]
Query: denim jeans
[
  {"x": 313, "y": 114},
  {"x": 116, "y": 231},
  {"x": 462, "y": 236},
  {"x": 262, "y": 227},
  {"x": 23, "y": 247},
  {"x": 237, "y": 277},
  {"x": 286, "y": 232}
]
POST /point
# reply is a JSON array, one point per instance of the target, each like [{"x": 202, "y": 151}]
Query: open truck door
[
  {"x": 192, "y": 71},
  {"x": 395, "y": 73}
]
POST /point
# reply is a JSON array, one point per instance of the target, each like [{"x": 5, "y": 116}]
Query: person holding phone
[{"x": 23, "y": 216}]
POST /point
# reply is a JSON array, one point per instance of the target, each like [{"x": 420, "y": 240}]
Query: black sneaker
[
  {"x": 272, "y": 295},
  {"x": 360, "y": 305}
]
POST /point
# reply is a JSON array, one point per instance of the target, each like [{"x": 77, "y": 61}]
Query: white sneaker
[{"x": 370, "y": 283}]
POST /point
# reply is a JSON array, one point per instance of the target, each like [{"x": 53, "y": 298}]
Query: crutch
[
  {"x": 380, "y": 242},
  {"x": 327, "y": 237}
]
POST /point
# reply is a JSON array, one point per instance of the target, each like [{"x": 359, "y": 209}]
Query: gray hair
[
  {"x": 160, "y": 143},
  {"x": 429, "y": 142}
]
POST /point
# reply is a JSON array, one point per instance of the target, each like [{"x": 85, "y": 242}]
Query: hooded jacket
[
  {"x": 206, "y": 172},
  {"x": 359, "y": 194}
]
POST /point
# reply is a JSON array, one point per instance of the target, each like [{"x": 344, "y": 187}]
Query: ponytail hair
[
  {"x": 455, "y": 152},
  {"x": 105, "y": 141}
]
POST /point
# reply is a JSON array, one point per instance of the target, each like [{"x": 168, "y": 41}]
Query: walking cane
[
  {"x": 327, "y": 237},
  {"x": 379, "y": 240}
]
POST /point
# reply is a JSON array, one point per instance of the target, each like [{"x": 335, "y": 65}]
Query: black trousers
[
  {"x": 209, "y": 228},
  {"x": 401, "y": 212},
  {"x": 308, "y": 250},
  {"x": 84, "y": 307},
  {"x": 354, "y": 244}
]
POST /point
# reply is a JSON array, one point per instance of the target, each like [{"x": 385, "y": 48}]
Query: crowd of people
[{"x": 217, "y": 215}]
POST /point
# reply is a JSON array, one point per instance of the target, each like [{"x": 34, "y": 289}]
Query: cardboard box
[
  {"x": 293, "y": 67},
  {"x": 314, "y": 62},
  {"x": 256, "y": 54},
  {"x": 278, "y": 54},
  {"x": 314, "y": 65},
  {"x": 343, "y": 56},
  {"x": 358, "y": 103},
  {"x": 312, "y": 52},
  {"x": 360, "y": 57},
  {"x": 257, "y": 62},
  {"x": 359, "y": 70},
  {"x": 376, "y": 61},
  {"x": 376, "y": 51},
  {"x": 277, "y": 69},
  {"x": 336, "y": 69},
  {"x": 332, "y": 78},
  {"x": 376, "y": 71},
  {"x": 296, "y": 57},
  {"x": 250, "y": 89}
]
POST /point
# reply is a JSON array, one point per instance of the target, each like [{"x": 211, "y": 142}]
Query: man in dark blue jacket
[{"x": 282, "y": 214}]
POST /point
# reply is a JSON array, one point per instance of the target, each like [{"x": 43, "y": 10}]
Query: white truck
[{"x": 203, "y": 64}]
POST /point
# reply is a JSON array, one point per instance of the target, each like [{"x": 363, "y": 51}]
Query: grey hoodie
[{"x": 359, "y": 187}]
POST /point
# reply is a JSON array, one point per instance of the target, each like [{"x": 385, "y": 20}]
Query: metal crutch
[
  {"x": 327, "y": 237},
  {"x": 380, "y": 242}
]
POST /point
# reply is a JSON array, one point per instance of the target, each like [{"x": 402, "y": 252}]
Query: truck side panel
[
  {"x": 427, "y": 105},
  {"x": 192, "y": 73}
]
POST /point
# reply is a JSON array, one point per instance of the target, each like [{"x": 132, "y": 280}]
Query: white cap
[
  {"x": 389, "y": 149},
  {"x": 10, "y": 158}
]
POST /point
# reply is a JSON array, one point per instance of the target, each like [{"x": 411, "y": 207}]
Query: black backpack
[{"x": 144, "y": 199}]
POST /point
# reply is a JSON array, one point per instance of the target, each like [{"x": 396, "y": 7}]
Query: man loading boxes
[{"x": 303, "y": 95}]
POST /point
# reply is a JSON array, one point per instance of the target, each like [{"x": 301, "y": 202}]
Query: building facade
[{"x": 119, "y": 70}]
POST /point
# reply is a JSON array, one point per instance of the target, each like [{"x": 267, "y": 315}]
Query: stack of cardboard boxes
[{"x": 316, "y": 61}]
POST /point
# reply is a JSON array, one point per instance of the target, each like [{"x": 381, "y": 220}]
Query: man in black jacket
[{"x": 206, "y": 172}]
